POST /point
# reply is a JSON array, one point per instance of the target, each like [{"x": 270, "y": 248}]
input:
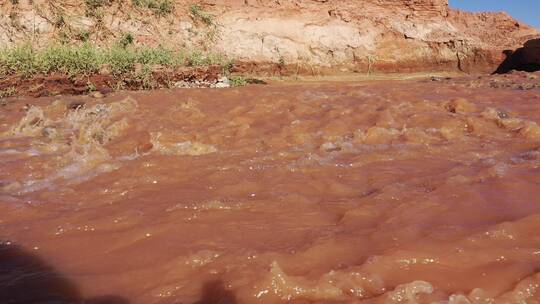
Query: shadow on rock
[
  {"x": 214, "y": 292},
  {"x": 526, "y": 58},
  {"x": 26, "y": 278}
]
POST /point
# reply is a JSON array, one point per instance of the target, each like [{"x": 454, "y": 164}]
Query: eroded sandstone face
[{"x": 310, "y": 35}]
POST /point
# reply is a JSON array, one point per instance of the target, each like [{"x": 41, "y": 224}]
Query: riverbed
[{"x": 397, "y": 191}]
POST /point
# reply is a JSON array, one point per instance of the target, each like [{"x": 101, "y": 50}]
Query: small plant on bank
[
  {"x": 120, "y": 60},
  {"x": 63, "y": 36},
  {"x": 281, "y": 61},
  {"x": 227, "y": 67},
  {"x": 146, "y": 78},
  {"x": 11, "y": 91},
  {"x": 14, "y": 20},
  {"x": 238, "y": 81},
  {"x": 198, "y": 13},
  {"x": 82, "y": 35},
  {"x": 90, "y": 86},
  {"x": 60, "y": 21},
  {"x": 125, "y": 40},
  {"x": 19, "y": 60},
  {"x": 158, "y": 7},
  {"x": 93, "y": 6},
  {"x": 159, "y": 56},
  {"x": 82, "y": 59}
]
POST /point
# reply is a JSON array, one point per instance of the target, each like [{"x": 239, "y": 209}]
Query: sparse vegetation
[
  {"x": 68, "y": 59},
  {"x": 20, "y": 59},
  {"x": 60, "y": 21},
  {"x": 159, "y": 56},
  {"x": 227, "y": 67},
  {"x": 11, "y": 91},
  {"x": 14, "y": 20},
  {"x": 146, "y": 78},
  {"x": 82, "y": 35},
  {"x": 92, "y": 7},
  {"x": 238, "y": 81},
  {"x": 90, "y": 86},
  {"x": 86, "y": 59},
  {"x": 94, "y": 4},
  {"x": 197, "y": 13},
  {"x": 370, "y": 61},
  {"x": 158, "y": 7},
  {"x": 198, "y": 58},
  {"x": 125, "y": 40}
]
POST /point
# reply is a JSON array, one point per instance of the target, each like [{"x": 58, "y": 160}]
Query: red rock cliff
[{"x": 314, "y": 35}]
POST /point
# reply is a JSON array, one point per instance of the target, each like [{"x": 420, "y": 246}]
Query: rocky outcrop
[
  {"x": 302, "y": 36},
  {"x": 526, "y": 58}
]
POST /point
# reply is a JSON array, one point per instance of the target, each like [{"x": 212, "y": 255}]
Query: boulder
[{"x": 526, "y": 58}]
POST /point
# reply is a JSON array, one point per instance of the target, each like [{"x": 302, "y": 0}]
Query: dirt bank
[
  {"x": 59, "y": 84},
  {"x": 305, "y": 36}
]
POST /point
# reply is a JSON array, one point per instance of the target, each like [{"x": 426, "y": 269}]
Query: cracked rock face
[{"x": 334, "y": 35}]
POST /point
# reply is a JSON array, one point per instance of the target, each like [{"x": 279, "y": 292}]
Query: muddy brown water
[{"x": 343, "y": 192}]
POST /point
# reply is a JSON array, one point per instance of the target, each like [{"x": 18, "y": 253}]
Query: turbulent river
[{"x": 416, "y": 191}]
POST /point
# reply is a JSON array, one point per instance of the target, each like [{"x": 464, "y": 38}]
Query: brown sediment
[
  {"x": 59, "y": 84},
  {"x": 413, "y": 191}
]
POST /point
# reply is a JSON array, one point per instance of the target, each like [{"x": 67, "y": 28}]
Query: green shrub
[
  {"x": 195, "y": 58},
  {"x": 120, "y": 60},
  {"x": 238, "y": 81},
  {"x": 198, "y": 58},
  {"x": 157, "y": 56},
  {"x": 86, "y": 59},
  {"x": 20, "y": 59},
  {"x": 71, "y": 60}
]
